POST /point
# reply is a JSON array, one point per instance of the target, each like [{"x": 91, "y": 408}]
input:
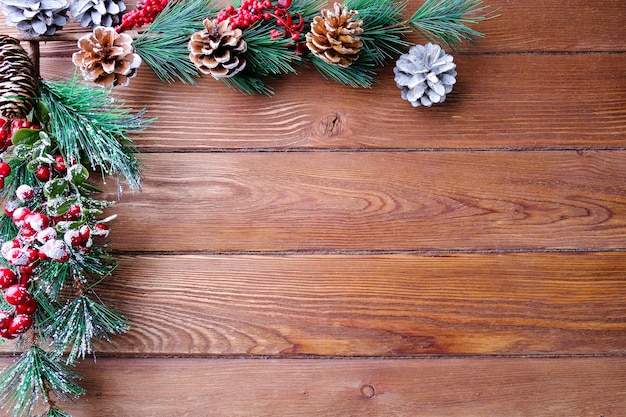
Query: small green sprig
[
  {"x": 31, "y": 380},
  {"x": 163, "y": 45},
  {"x": 88, "y": 122},
  {"x": 445, "y": 21}
]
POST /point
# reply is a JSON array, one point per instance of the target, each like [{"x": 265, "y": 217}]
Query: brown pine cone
[
  {"x": 333, "y": 36},
  {"x": 218, "y": 50},
  {"x": 19, "y": 85},
  {"x": 107, "y": 57}
]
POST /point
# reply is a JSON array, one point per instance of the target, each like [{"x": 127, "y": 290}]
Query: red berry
[
  {"x": 74, "y": 211},
  {"x": 27, "y": 231},
  {"x": 20, "y": 323},
  {"x": 43, "y": 173},
  {"x": 7, "y": 278},
  {"x": 85, "y": 233},
  {"x": 60, "y": 164},
  {"x": 101, "y": 229},
  {"x": 25, "y": 192},
  {"x": 5, "y": 319},
  {"x": 19, "y": 214},
  {"x": 28, "y": 307},
  {"x": 16, "y": 294},
  {"x": 7, "y": 334},
  {"x": 37, "y": 221},
  {"x": 5, "y": 170}
]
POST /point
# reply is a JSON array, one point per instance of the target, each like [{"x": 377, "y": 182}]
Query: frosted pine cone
[
  {"x": 425, "y": 75},
  {"x": 107, "y": 57},
  {"x": 36, "y": 17},
  {"x": 92, "y": 13},
  {"x": 18, "y": 83},
  {"x": 334, "y": 36},
  {"x": 218, "y": 50}
]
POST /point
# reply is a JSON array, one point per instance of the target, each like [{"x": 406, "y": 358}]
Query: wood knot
[
  {"x": 331, "y": 125},
  {"x": 368, "y": 391}
]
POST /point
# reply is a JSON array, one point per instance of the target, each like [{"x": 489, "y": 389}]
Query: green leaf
[
  {"x": 25, "y": 136},
  {"x": 55, "y": 187},
  {"x": 77, "y": 174},
  {"x": 59, "y": 206}
]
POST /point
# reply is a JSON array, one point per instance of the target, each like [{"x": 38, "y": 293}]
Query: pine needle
[
  {"x": 163, "y": 46},
  {"x": 383, "y": 27},
  {"x": 27, "y": 382},
  {"x": 79, "y": 323},
  {"x": 88, "y": 121},
  {"x": 360, "y": 74},
  {"x": 444, "y": 21},
  {"x": 267, "y": 57}
]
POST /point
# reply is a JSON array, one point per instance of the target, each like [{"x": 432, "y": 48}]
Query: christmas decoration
[
  {"x": 53, "y": 253},
  {"x": 18, "y": 85},
  {"x": 36, "y": 18},
  {"x": 218, "y": 50},
  {"x": 425, "y": 75},
  {"x": 91, "y": 13},
  {"x": 107, "y": 57},
  {"x": 334, "y": 36}
]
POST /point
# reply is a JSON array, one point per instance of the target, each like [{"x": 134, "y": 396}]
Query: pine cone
[
  {"x": 425, "y": 75},
  {"x": 333, "y": 36},
  {"x": 218, "y": 50},
  {"x": 18, "y": 83},
  {"x": 36, "y": 17},
  {"x": 92, "y": 13},
  {"x": 107, "y": 57}
]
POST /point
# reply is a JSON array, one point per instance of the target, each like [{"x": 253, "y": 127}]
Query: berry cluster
[
  {"x": 252, "y": 11},
  {"x": 7, "y": 129},
  {"x": 40, "y": 237},
  {"x": 145, "y": 13}
]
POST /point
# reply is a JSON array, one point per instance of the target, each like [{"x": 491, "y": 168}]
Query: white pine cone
[
  {"x": 106, "y": 57},
  {"x": 36, "y": 17},
  {"x": 425, "y": 75},
  {"x": 92, "y": 13},
  {"x": 218, "y": 50}
]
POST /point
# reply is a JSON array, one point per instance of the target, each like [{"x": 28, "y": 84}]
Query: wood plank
[
  {"x": 500, "y": 101},
  {"x": 559, "y": 387},
  {"x": 384, "y": 305},
  {"x": 376, "y": 201},
  {"x": 522, "y": 26}
]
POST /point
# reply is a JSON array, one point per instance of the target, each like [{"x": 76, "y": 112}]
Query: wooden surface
[{"x": 335, "y": 252}]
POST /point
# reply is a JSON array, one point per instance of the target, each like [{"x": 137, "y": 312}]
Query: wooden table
[{"x": 336, "y": 252}]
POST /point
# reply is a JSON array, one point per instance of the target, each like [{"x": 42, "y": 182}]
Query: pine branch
[
  {"x": 81, "y": 322},
  {"x": 163, "y": 46},
  {"x": 28, "y": 381},
  {"x": 266, "y": 57},
  {"x": 444, "y": 21},
  {"x": 383, "y": 27},
  {"x": 55, "y": 412},
  {"x": 248, "y": 83},
  {"x": 88, "y": 121},
  {"x": 360, "y": 74}
]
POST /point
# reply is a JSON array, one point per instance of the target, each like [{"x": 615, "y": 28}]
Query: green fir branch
[
  {"x": 79, "y": 323},
  {"x": 444, "y": 21},
  {"x": 31, "y": 379},
  {"x": 163, "y": 46},
  {"x": 360, "y": 74},
  {"x": 55, "y": 412},
  {"x": 87, "y": 121},
  {"x": 248, "y": 83},
  {"x": 268, "y": 57},
  {"x": 383, "y": 27}
]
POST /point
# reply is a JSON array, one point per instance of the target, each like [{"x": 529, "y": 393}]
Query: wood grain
[
  {"x": 366, "y": 305},
  {"x": 499, "y": 102},
  {"x": 386, "y": 201},
  {"x": 563, "y": 387}
]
